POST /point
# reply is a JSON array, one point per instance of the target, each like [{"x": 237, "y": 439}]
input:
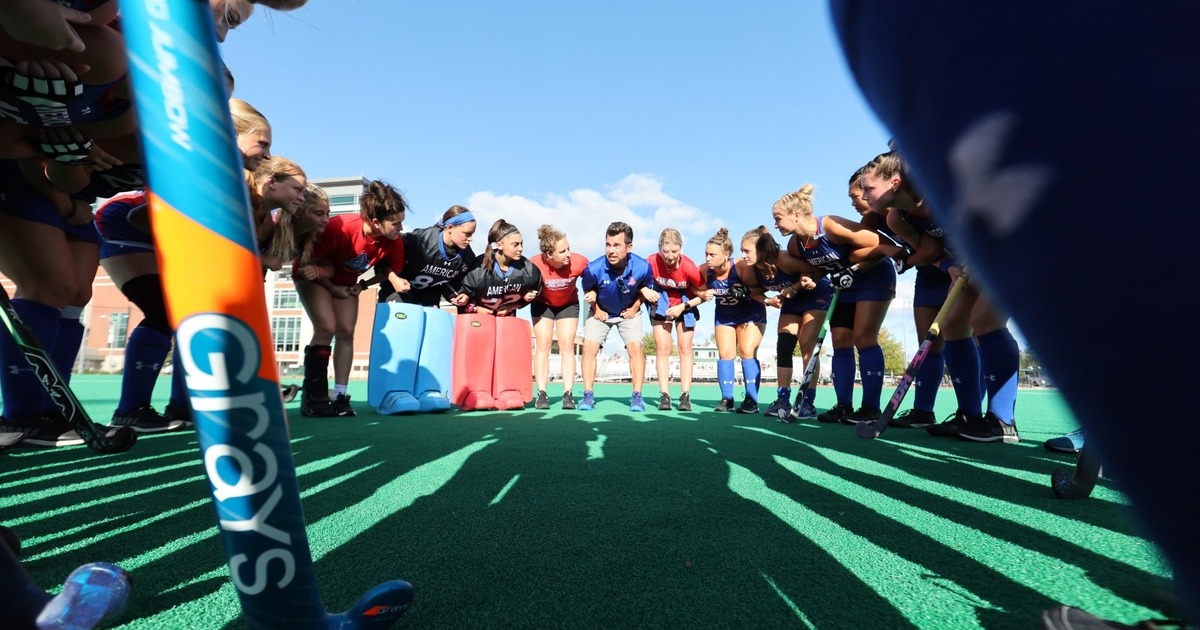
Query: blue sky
[{"x": 692, "y": 115}]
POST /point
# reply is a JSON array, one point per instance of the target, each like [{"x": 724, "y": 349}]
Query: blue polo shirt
[{"x": 613, "y": 296}]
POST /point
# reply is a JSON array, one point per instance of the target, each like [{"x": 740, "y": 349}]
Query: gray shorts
[{"x": 597, "y": 331}]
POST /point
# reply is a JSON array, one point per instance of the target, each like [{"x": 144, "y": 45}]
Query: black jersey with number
[
  {"x": 432, "y": 268},
  {"x": 494, "y": 289}
]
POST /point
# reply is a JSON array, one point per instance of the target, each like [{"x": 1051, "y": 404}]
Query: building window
[
  {"x": 286, "y": 298},
  {"x": 343, "y": 200},
  {"x": 286, "y": 331},
  {"x": 118, "y": 329}
]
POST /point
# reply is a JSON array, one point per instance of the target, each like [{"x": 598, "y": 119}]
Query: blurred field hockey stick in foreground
[{"x": 212, "y": 278}]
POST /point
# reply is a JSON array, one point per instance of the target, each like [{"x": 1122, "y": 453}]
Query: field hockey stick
[
  {"x": 98, "y": 438},
  {"x": 872, "y": 431},
  {"x": 810, "y": 370},
  {"x": 212, "y": 279},
  {"x": 1077, "y": 482}
]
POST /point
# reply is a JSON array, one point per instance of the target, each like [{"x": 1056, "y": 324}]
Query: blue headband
[{"x": 458, "y": 219}]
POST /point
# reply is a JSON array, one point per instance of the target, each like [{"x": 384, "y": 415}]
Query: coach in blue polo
[{"x": 616, "y": 285}]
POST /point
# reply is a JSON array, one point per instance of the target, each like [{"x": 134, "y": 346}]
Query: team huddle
[{"x": 52, "y": 244}]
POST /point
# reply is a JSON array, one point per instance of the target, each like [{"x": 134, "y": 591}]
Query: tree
[
  {"x": 1028, "y": 361},
  {"x": 894, "y": 361},
  {"x": 649, "y": 346}
]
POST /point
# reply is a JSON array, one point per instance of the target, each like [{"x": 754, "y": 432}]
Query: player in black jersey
[
  {"x": 505, "y": 280},
  {"x": 436, "y": 258}
]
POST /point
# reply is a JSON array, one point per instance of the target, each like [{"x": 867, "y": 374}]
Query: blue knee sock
[
  {"x": 179, "y": 392},
  {"x": 870, "y": 363},
  {"x": 725, "y": 377},
  {"x": 70, "y": 336},
  {"x": 24, "y": 396},
  {"x": 751, "y": 372},
  {"x": 929, "y": 380},
  {"x": 962, "y": 359},
  {"x": 1001, "y": 361},
  {"x": 843, "y": 376},
  {"x": 144, "y": 356}
]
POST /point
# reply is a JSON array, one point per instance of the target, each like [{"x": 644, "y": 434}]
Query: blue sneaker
[
  {"x": 780, "y": 404},
  {"x": 588, "y": 403},
  {"x": 1069, "y": 443},
  {"x": 636, "y": 403}
]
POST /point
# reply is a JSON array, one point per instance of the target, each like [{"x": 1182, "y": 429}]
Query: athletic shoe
[
  {"x": 341, "y": 406},
  {"x": 773, "y": 408},
  {"x": 685, "y": 402},
  {"x": 289, "y": 392},
  {"x": 10, "y": 435},
  {"x": 145, "y": 419},
  {"x": 176, "y": 413},
  {"x": 949, "y": 428},
  {"x": 912, "y": 419},
  {"x": 636, "y": 403},
  {"x": 311, "y": 408},
  {"x": 543, "y": 401},
  {"x": 726, "y": 405},
  {"x": 805, "y": 411},
  {"x": 49, "y": 430},
  {"x": 588, "y": 403},
  {"x": 835, "y": 415},
  {"x": 870, "y": 415},
  {"x": 749, "y": 405},
  {"x": 664, "y": 402},
  {"x": 1069, "y": 443},
  {"x": 568, "y": 401},
  {"x": 989, "y": 428}
]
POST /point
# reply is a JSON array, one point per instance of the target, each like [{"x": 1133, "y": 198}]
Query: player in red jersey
[{"x": 556, "y": 311}]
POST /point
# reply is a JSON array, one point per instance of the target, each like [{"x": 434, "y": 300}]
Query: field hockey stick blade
[{"x": 379, "y": 608}]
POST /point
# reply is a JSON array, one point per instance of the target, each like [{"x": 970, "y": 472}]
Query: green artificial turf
[{"x": 613, "y": 519}]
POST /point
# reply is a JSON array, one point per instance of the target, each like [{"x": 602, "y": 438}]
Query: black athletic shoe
[
  {"x": 543, "y": 401},
  {"x": 835, "y": 415},
  {"x": 568, "y": 401},
  {"x": 48, "y": 430},
  {"x": 912, "y": 419},
  {"x": 145, "y": 419},
  {"x": 726, "y": 405},
  {"x": 989, "y": 428},
  {"x": 749, "y": 405},
  {"x": 664, "y": 402},
  {"x": 869, "y": 415},
  {"x": 177, "y": 413},
  {"x": 949, "y": 428},
  {"x": 341, "y": 406},
  {"x": 685, "y": 402}
]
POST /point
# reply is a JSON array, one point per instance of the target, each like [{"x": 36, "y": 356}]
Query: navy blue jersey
[
  {"x": 617, "y": 289},
  {"x": 495, "y": 289},
  {"x": 433, "y": 268},
  {"x": 733, "y": 302}
]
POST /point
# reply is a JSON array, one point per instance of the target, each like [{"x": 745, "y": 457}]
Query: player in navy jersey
[
  {"x": 919, "y": 245},
  {"x": 615, "y": 286},
  {"x": 436, "y": 260},
  {"x": 1015, "y": 159},
  {"x": 505, "y": 280},
  {"x": 676, "y": 279},
  {"x": 49, "y": 249},
  {"x": 834, "y": 244},
  {"x": 802, "y": 302},
  {"x": 740, "y": 319},
  {"x": 979, "y": 348}
]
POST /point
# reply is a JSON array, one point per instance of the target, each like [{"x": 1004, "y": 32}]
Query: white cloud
[{"x": 584, "y": 214}]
